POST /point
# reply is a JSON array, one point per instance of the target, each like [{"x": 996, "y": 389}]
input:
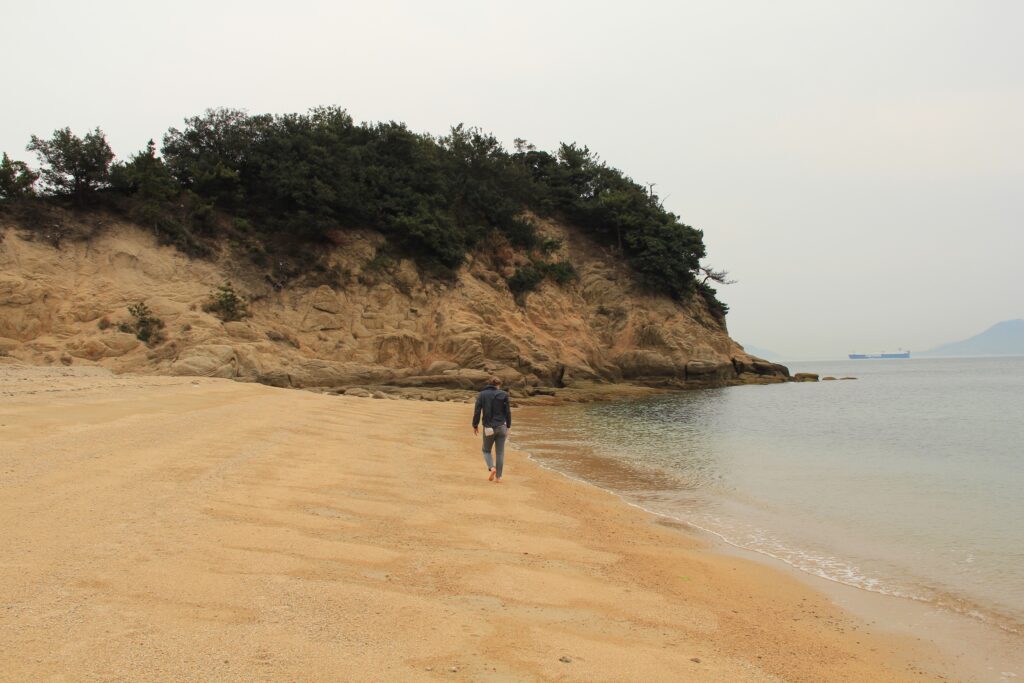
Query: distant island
[{"x": 1005, "y": 338}]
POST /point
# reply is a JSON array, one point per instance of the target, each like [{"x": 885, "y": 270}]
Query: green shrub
[
  {"x": 561, "y": 272},
  {"x": 145, "y": 176},
  {"x": 521, "y": 232},
  {"x": 73, "y": 166},
  {"x": 16, "y": 178},
  {"x": 549, "y": 245},
  {"x": 226, "y": 304},
  {"x": 528, "y": 277},
  {"x": 146, "y": 326},
  {"x": 524, "y": 280},
  {"x": 718, "y": 308}
]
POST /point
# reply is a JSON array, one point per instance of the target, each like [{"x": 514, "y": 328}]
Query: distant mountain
[
  {"x": 763, "y": 353},
  {"x": 1002, "y": 339}
]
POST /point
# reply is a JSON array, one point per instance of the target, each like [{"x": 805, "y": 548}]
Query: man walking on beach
[{"x": 494, "y": 404}]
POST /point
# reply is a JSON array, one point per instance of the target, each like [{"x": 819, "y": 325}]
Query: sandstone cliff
[{"x": 384, "y": 326}]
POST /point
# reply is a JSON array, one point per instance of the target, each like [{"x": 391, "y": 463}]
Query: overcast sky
[{"x": 857, "y": 166}]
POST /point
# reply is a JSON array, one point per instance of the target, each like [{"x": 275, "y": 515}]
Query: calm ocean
[{"x": 907, "y": 481}]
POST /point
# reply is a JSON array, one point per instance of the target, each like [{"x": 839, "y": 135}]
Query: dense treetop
[{"x": 289, "y": 181}]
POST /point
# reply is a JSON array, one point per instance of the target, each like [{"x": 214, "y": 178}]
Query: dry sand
[{"x": 181, "y": 529}]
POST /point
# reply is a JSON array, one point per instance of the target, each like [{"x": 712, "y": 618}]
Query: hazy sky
[{"x": 857, "y": 166}]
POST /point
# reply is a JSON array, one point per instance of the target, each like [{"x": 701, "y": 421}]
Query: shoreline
[
  {"x": 982, "y": 649},
  {"x": 169, "y": 528}
]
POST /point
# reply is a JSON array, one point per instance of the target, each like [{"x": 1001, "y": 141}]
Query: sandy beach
[{"x": 178, "y": 528}]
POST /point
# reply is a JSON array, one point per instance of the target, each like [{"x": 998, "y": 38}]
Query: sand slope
[{"x": 166, "y": 528}]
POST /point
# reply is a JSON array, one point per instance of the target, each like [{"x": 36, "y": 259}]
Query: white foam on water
[{"x": 765, "y": 543}]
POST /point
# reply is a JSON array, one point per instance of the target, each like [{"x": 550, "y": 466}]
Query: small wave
[{"x": 824, "y": 567}]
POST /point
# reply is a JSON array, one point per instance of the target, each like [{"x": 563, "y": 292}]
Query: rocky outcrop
[
  {"x": 207, "y": 360},
  {"x": 391, "y": 327}
]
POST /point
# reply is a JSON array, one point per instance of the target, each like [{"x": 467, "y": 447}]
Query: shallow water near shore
[{"x": 907, "y": 481}]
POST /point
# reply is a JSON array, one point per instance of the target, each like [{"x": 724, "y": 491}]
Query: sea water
[{"x": 908, "y": 480}]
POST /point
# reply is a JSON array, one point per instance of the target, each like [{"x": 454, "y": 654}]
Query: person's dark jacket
[{"x": 495, "y": 406}]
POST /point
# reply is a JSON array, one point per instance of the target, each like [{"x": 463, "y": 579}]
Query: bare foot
[
  {"x": 490, "y": 477},
  {"x": 498, "y": 480}
]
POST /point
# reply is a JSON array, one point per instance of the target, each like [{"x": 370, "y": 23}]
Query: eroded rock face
[
  {"x": 242, "y": 331},
  {"x": 393, "y": 327},
  {"x": 402, "y": 349},
  {"x": 805, "y": 377},
  {"x": 639, "y": 363},
  {"x": 209, "y": 360},
  {"x": 110, "y": 345}
]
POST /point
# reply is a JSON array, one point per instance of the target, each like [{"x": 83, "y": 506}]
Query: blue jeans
[{"x": 498, "y": 441}]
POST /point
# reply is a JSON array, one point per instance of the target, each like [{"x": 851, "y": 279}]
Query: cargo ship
[{"x": 865, "y": 356}]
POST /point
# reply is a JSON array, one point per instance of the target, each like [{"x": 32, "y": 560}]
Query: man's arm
[
  {"x": 508, "y": 411},
  {"x": 476, "y": 414}
]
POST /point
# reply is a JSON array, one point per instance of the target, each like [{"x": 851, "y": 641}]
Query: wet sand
[
  {"x": 965, "y": 644},
  {"x": 156, "y": 528}
]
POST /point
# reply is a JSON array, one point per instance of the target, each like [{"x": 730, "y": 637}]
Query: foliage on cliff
[{"x": 284, "y": 183}]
